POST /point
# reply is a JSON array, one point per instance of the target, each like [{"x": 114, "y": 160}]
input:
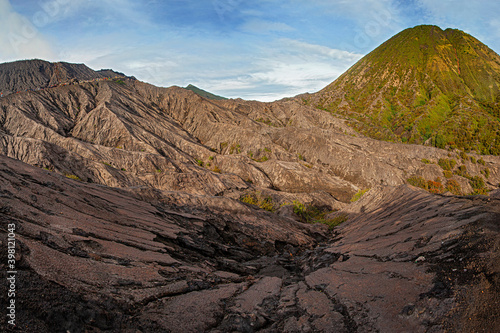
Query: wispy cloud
[
  {"x": 263, "y": 49},
  {"x": 263, "y": 26}
]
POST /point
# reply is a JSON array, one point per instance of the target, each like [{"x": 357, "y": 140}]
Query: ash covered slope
[
  {"x": 424, "y": 85},
  {"x": 127, "y": 133},
  {"x": 38, "y": 74},
  {"x": 93, "y": 258}
]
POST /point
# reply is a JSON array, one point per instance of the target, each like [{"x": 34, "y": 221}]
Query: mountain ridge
[{"x": 38, "y": 74}]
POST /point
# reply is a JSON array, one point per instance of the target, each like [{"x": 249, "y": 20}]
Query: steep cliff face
[{"x": 425, "y": 84}]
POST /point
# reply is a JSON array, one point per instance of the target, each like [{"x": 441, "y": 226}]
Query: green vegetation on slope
[
  {"x": 204, "y": 93},
  {"x": 424, "y": 85}
]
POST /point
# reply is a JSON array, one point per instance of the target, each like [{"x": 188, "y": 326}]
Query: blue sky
[{"x": 261, "y": 49}]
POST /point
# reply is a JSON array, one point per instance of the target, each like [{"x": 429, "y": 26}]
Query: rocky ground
[
  {"x": 146, "y": 209},
  {"x": 93, "y": 258}
]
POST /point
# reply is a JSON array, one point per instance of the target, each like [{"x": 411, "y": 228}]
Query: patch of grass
[
  {"x": 301, "y": 157},
  {"x": 262, "y": 159},
  {"x": 336, "y": 221},
  {"x": 158, "y": 170},
  {"x": 74, "y": 177},
  {"x": 481, "y": 161},
  {"x": 105, "y": 163},
  {"x": 426, "y": 161},
  {"x": 211, "y": 158},
  {"x": 312, "y": 214},
  {"x": 358, "y": 195},
  {"x": 200, "y": 163},
  {"x": 216, "y": 169},
  {"x": 257, "y": 199},
  {"x": 267, "y": 121},
  {"x": 267, "y": 149}
]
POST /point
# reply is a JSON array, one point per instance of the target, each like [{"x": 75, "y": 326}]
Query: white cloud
[{"x": 19, "y": 37}]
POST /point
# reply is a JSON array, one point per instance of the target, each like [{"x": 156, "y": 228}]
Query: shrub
[
  {"x": 477, "y": 184},
  {"x": 216, "y": 169},
  {"x": 481, "y": 161},
  {"x": 262, "y": 159},
  {"x": 301, "y": 157},
  {"x": 447, "y": 164},
  {"x": 473, "y": 159},
  {"x": 447, "y": 174},
  {"x": 486, "y": 172},
  {"x": 267, "y": 149},
  {"x": 123, "y": 169},
  {"x": 358, "y": 195},
  {"x": 454, "y": 187},
  {"x": 200, "y": 163},
  {"x": 418, "y": 181},
  {"x": 464, "y": 156},
  {"x": 211, "y": 158},
  {"x": 105, "y": 163},
  {"x": 435, "y": 186},
  {"x": 426, "y": 161},
  {"x": 462, "y": 171},
  {"x": 158, "y": 170}
]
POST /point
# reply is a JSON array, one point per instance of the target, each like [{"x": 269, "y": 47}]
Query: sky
[{"x": 260, "y": 49}]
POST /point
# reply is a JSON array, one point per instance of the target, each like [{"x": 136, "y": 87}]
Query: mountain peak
[
  {"x": 37, "y": 74},
  {"x": 204, "y": 93},
  {"x": 423, "y": 83}
]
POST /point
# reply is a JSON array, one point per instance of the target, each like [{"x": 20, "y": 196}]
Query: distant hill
[
  {"x": 204, "y": 93},
  {"x": 424, "y": 85},
  {"x": 37, "y": 74}
]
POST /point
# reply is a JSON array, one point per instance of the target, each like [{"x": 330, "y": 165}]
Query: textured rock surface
[
  {"x": 127, "y": 133},
  {"x": 137, "y": 225},
  {"x": 25, "y": 75},
  {"x": 97, "y": 258}
]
